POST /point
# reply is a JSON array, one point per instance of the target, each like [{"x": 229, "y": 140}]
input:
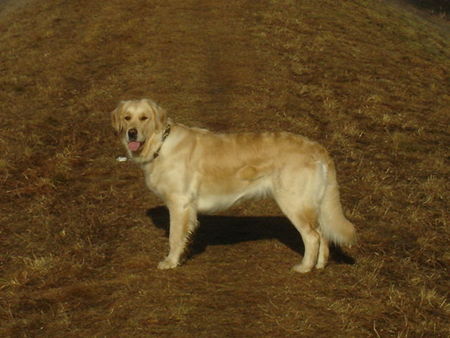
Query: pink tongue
[{"x": 133, "y": 146}]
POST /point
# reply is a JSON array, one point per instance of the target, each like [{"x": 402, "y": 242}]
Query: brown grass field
[{"x": 80, "y": 235}]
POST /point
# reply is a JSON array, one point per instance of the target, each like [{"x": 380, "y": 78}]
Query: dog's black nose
[{"x": 132, "y": 134}]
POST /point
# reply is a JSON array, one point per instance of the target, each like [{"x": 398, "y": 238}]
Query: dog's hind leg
[
  {"x": 324, "y": 252},
  {"x": 305, "y": 222},
  {"x": 304, "y": 217},
  {"x": 183, "y": 220}
]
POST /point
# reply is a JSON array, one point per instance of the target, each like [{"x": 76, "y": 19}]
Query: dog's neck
[{"x": 163, "y": 138}]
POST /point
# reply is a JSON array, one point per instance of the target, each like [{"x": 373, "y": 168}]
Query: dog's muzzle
[{"x": 132, "y": 134}]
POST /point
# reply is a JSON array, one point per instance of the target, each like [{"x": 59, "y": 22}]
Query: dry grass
[{"x": 80, "y": 234}]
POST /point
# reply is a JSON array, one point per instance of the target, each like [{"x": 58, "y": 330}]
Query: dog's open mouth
[{"x": 134, "y": 145}]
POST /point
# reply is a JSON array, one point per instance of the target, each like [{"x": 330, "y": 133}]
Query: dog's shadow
[{"x": 223, "y": 230}]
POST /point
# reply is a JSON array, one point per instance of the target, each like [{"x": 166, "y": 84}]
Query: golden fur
[{"x": 195, "y": 170}]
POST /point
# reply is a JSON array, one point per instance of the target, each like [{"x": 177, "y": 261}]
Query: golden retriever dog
[{"x": 196, "y": 171}]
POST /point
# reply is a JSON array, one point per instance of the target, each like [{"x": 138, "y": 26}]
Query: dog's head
[{"x": 136, "y": 123}]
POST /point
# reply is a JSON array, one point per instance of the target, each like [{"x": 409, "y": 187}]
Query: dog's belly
[
  {"x": 213, "y": 203},
  {"x": 210, "y": 202}
]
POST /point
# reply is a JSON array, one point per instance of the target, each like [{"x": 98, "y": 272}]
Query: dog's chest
[{"x": 158, "y": 181}]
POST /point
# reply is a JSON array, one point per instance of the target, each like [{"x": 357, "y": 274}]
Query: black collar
[{"x": 163, "y": 138}]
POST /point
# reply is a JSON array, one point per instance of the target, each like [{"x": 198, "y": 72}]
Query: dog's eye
[
  {"x": 143, "y": 118},
  {"x": 128, "y": 118}
]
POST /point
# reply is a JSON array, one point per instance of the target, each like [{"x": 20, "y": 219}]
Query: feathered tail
[{"x": 334, "y": 225}]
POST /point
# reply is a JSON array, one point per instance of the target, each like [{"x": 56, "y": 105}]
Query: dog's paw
[
  {"x": 301, "y": 268},
  {"x": 321, "y": 265},
  {"x": 167, "y": 264}
]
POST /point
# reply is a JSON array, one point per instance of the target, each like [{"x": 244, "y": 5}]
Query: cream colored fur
[{"x": 197, "y": 171}]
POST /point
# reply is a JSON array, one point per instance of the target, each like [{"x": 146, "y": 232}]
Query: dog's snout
[{"x": 132, "y": 134}]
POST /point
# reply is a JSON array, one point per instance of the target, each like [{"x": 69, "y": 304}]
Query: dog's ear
[
  {"x": 159, "y": 115},
  {"x": 116, "y": 121}
]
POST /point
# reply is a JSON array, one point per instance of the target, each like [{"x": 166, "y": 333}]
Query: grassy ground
[{"x": 80, "y": 236}]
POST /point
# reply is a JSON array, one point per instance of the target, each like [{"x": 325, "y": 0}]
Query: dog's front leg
[{"x": 183, "y": 220}]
